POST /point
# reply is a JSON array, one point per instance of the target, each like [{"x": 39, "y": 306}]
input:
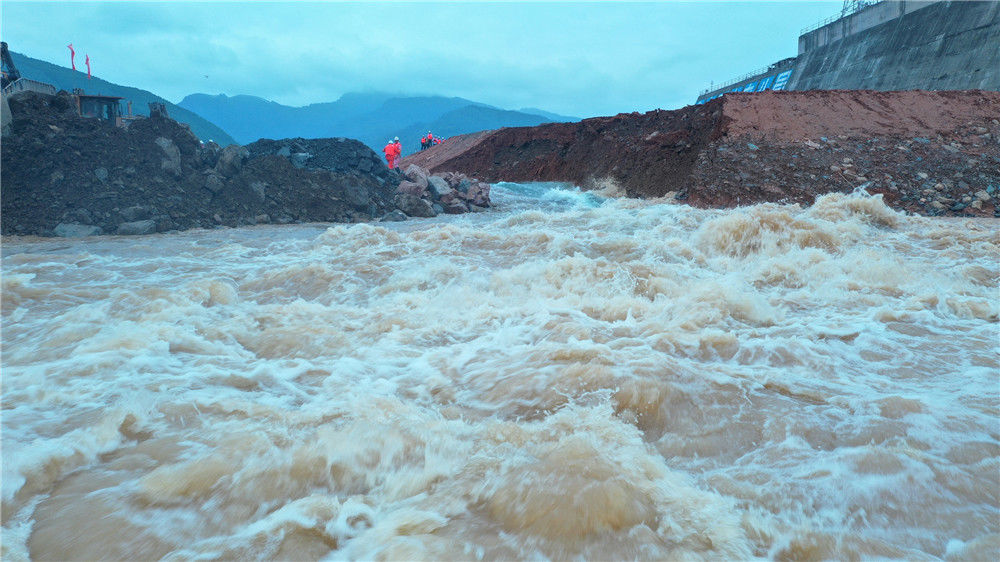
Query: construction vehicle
[
  {"x": 12, "y": 81},
  {"x": 103, "y": 108},
  {"x": 10, "y": 73}
]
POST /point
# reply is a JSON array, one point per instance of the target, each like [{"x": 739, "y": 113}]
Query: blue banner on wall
[
  {"x": 773, "y": 82},
  {"x": 782, "y": 79}
]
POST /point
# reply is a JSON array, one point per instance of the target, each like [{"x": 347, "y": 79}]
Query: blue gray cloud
[{"x": 574, "y": 58}]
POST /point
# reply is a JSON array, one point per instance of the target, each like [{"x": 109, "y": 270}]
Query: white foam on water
[{"x": 572, "y": 375}]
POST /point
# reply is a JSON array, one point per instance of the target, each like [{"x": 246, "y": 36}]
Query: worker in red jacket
[
  {"x": 397, "y": 153},
  {"x": 390, "y": 153}
]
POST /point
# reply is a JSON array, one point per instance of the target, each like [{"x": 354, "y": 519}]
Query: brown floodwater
[{"x": 564, "y": 377}]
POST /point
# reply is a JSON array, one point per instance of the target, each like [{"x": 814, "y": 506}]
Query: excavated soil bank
[{"x": 930, "y": 153}]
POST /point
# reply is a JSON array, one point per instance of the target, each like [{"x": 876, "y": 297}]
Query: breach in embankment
[{"x": 926, "y": 152}]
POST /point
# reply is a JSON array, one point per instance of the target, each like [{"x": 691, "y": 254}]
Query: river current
[{"x": 568, "y": 376}]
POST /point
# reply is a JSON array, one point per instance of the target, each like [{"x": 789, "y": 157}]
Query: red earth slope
[{"x": 932, "y": 153}]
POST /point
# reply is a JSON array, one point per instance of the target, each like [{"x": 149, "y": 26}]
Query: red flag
[
  {"x": 88, "y": 67},
  {"x": 72, "y": 55}
]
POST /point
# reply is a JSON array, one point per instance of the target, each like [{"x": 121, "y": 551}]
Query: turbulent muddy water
[{"x": 565, "y": 377}]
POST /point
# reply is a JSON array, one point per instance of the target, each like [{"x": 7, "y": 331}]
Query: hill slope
[
  {"x": 67, "y": 79},
  {"x": 551, "y": 116}
]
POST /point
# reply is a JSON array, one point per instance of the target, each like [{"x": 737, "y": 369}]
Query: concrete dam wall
[
  {"x": 941, "y": 46},
  {"x": 892, "y": 45}
]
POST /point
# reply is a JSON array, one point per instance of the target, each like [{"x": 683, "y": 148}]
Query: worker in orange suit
[
  {"x": 397, "y": 153},
  {"x": 390, "y": 153}
]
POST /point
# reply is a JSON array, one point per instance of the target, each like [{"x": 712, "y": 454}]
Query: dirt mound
[
  {"x": 932, "y": 153},
  {"x": 63, "y": 174}
]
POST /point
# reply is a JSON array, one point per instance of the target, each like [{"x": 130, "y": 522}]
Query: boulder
[
  {"x": 259, "y": 188},
  {"x": 213, "y": 182},
  {"x": 172, "y": 159},
  {"x": 102, "y": 174},
  {"x": 72, "y": 230},
  {"x": 231, "y": 160},
  {"x": 450, "y": 197},
  {"x": 455, "y": 203},
  {"x": 136, "y": 213},
  {"x": 455, "y": 179},
  {"x": 357, "y": 195},
  {"x": 394, "y": 216},
  {"x": 413, "y": 206},
  {"x": 137, "y": 227},
  {"x": 421, "y": 181},
  {"x": 411, "y": 188},
  {"x": 164, "y": 223},
  {"x": 455, "y": 207},
  {"x": 416, "y": 174},
  {"x": 79, "y": 215},
  {"x": 479, "y": 194},
  {"x": 438, "y": 187}
]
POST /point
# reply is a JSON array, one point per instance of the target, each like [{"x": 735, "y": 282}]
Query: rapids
[{"x": 569, "y": 376}]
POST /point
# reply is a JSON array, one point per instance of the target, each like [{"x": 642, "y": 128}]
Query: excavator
[
  {"x": 10, "y": 73},
  {"x": 12, "y": 79}
]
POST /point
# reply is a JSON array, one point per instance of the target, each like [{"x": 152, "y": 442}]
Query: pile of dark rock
[
  {"x": 70, "y": 176},
  {"x": 424, "y": 195},
  {"x": 952, "y": 174},
  {"x": 341, "y": 155}
]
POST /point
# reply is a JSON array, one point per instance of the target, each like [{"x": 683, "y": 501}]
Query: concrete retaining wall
[
  {"x": 941, "y": 46},
  {"x": 893, "y": 45},
  {"x": 857, "y": 22}
]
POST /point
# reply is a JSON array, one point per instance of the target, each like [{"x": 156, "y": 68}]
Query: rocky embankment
[
  {"x": 68, "y": 176},
  {"x": 423, "y": 194},
  {"x": 930, "y": 153}
]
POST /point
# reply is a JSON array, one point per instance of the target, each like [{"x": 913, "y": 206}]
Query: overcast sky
[{"x": 580, "y": 59}]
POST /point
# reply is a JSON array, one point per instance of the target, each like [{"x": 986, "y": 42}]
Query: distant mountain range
[
  {"x": 67, "y": 79},
  {"x": 373, "y": 118}
]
